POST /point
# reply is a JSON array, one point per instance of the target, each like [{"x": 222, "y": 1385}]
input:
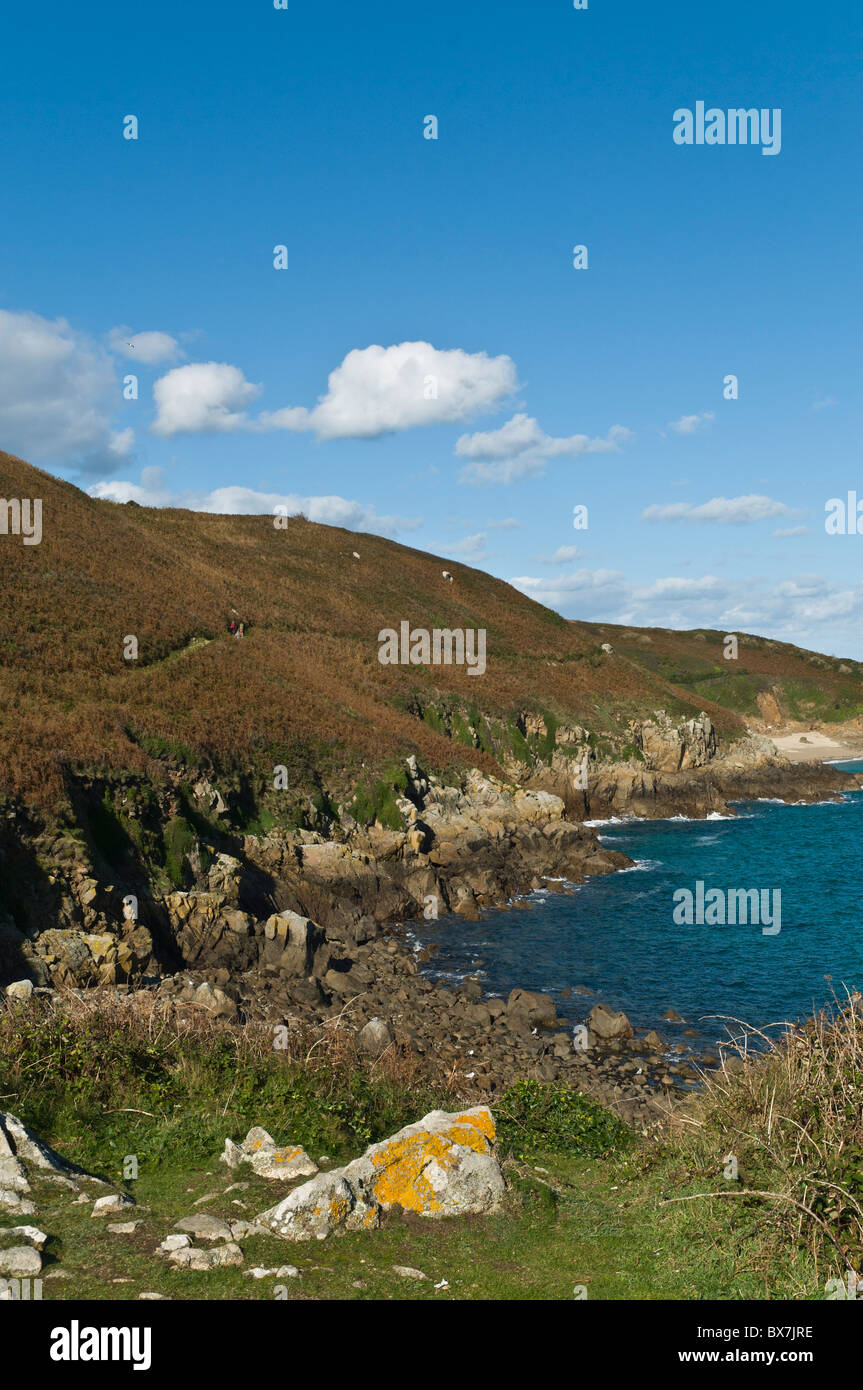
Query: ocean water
[{"x": 616, "y": 935}]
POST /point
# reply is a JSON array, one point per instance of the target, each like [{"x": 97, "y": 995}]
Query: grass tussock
[{"x": 792, "y": 1121}]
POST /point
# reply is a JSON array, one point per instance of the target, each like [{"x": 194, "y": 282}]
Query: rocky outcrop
[
  {"x": 445, "y": 1165},
  {"x": 669, "y": 747}
]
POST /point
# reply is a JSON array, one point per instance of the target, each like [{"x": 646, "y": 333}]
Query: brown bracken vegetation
[{"x": 305, "y": 687}]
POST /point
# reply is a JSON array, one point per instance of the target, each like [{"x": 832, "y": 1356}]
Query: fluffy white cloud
[
  {"x": 57, "y": 388},
  {"x": 150, "y": 348},
  {"x": 521, "y": 447},
  {"x": 688, "y": 424},
  {"x": 726, "y": 511},
  {"x": 377, "y": 390},
  {"x": 564, "y": 555},
  {"x": 787, "y": 531},
  {"x": 471, "y": 545},
  {"x": 153, "y": 491},
  {"x": 203, "y": 397}
]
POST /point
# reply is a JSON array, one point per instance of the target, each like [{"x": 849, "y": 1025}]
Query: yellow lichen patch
[
  {"x": 403, "y": 1180},
  {"x": 468, "y": 1136},
  {"x": 338, "y": 1210},
  {"x": 286, "y": 1155},
  {"x": 483, "y": 1120}
]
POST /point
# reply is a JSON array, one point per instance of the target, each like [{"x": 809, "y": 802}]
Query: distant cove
[{"x": 617, "y": 937}]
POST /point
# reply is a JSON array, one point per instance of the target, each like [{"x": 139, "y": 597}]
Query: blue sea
[{"x": 616, "y": 935}]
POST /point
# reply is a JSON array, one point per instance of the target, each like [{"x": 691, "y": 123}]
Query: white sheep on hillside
[{"x": 447, "y": 576}]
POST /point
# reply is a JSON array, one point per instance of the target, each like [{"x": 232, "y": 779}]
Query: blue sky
[{"x": 305, "y": 128}]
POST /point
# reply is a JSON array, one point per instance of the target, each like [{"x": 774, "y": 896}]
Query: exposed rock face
[
  {"x": 475, "y": 847},
  {"x": 209, "y": 925},
  {"x": 76, "y": 958},
  {"x": 669, "y": 747},
  {"x": 682, "y": 771},
  {"x": 443, "y": 1166}
]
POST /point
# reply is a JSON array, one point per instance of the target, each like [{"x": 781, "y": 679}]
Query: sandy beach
[{"x": 816, "y": 747}]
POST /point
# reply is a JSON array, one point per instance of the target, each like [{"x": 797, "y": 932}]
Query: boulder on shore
[{"x": 604, "y": 1023}]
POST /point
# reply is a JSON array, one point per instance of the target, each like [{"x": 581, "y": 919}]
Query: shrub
[{"x": 552, "y": 1118}]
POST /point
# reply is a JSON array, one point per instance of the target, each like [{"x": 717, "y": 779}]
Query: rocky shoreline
[{"x": 306, "y": 928}]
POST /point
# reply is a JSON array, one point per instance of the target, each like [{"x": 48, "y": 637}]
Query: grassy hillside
[{"x": 305, "y": 687}]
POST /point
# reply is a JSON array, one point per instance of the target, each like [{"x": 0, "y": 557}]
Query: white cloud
[
  {"x": 509, "y": 523},
  {"x": 377, "y": 390},
  {"x": 688, "y": 424},
  {"x": 153, "y": 491},
  {"x": 564, "y": 555},
  {"x": 203, "y": 397},
  {"x": 57, "y": 389},
  {"x": 578, "y": 582},
  {"x": 726, "y": 511},
  {"x": 827, "y": 403},
  {"x": 521, "y": 447},
  {"x": 792, "y": 531},
  {"x": 807, "y": 610},
  {"x": 471, "y": 545},
  {"x": 121, "y": 442},
  {"x": 677, "y": 588},
  {"x": 150, "y": 348}
]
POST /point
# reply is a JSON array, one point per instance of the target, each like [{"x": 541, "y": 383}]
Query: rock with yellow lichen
[
  {"x": 319, "y": 1207},
  {"x": 445, "y": 1165},
  {"x": 267, "y": 1158}
]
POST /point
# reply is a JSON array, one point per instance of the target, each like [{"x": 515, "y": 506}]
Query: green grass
[
  {"x": 589, "y": 1204},
  {"x": 566, "y": 1222}
]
